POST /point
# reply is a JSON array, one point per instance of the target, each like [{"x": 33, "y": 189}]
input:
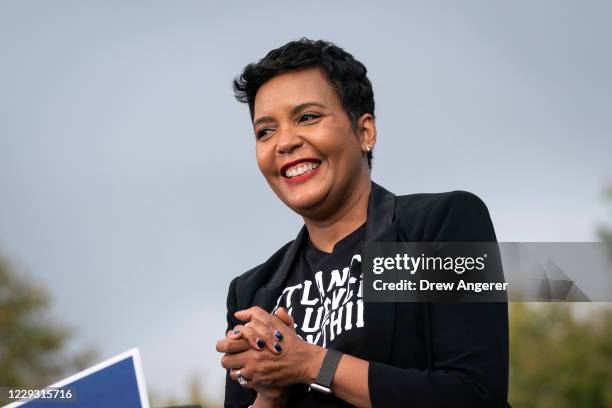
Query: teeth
[{"x": 300, "y": 169}]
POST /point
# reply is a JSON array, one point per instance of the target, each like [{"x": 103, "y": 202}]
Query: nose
[{"x": 288, "y": 142}]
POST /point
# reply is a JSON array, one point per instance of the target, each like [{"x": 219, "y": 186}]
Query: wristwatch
[{"x": 326, "y": 373}]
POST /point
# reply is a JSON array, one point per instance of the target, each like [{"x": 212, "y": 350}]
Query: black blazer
[{"x": 420, "y": 354}]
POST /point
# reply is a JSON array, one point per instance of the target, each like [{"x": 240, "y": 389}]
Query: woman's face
[{"x": 306, "y": 147}]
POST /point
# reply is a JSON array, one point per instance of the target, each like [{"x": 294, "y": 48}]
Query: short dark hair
[{"x": 345, "y": 73}]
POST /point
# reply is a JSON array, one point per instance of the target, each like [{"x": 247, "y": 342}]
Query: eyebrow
[{"x": 294, "y": 110}]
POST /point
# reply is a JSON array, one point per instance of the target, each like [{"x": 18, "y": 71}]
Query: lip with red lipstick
[{"x": 300, "y": 170}]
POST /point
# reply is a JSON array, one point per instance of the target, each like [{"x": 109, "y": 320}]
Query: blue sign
[{"x": 117, "y": 383}]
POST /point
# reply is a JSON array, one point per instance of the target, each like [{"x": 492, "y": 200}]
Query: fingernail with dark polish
[
  {"x": 278, "y": 347},
  {"x": 278, "y": 335},
  {"x": 260, "y": 343},
  {"x": 236, "y": 332}
]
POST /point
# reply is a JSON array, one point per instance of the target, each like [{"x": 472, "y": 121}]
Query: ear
[{"x": 366, "y": 128}]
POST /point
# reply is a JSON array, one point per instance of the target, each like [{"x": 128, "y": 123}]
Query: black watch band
[{"x": 327, "y": 371}]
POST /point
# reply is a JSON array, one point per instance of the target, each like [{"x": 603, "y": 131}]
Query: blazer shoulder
[
  {"x": 255, "y": 271},
  {"x": 430, "y": 200},
  {"x": 243, "y": 287},
  {"x": 427, "y": 204},
  {"x": 451, "y": 215}
]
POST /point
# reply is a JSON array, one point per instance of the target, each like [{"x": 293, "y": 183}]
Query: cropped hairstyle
[{"x": 346, "y": 75}]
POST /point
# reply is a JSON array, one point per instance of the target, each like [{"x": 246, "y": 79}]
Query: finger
[
  {"x": 234, "y": 376},
  {"x": 258, "y": 316},
  {"x": 247, "y": 315},
  {"x": 236, "y": 360},
  {"x": 285, "y": 317},
  {"x": 271, "y": 322},
  {"x": 283, "y": 323},
  {"x": 220, "y": 346},
  {"x": 235, "y": 333},
  {"x": 243, "y": 372},
  {"x": 227, "y": 345},
  {"x": 261, "y": 335}
]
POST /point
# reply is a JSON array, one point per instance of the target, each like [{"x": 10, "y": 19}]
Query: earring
[{"x": 368, "y": 148}]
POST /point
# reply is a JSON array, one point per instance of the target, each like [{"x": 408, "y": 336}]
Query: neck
[{"x": 324, "y": 234}]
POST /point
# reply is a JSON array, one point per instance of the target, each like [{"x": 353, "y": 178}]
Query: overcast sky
[{"x": 128, "y": 182}]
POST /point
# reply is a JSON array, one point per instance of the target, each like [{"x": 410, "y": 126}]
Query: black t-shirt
[{"x": 324, "y": 296}]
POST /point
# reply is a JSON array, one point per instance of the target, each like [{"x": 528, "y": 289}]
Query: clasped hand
[{"x": 268, "y": 352}]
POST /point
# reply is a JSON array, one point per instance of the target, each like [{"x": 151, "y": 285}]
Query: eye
[
  {"x": 308, "y": 117},
  {"x": 262, "y": 133}
]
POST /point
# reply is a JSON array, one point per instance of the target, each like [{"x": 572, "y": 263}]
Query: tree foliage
[
  {"x": 31, "y": 344},
  {"x": 561, "y": 354},
  {"x": 558, "y": 359},
  {"x": 195, "y": 396},
  {"x": 605, "y": 231}
]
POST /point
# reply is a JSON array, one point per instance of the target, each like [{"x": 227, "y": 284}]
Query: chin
[
  {"x": 305, "y": 200},
  {"x": 303, "y": 203}
]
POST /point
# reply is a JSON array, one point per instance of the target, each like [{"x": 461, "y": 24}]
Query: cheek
[
  {"x": 265, "y": 161},
  {"x": 344, "y": 152},
  {"x": 330, "y": 141}
]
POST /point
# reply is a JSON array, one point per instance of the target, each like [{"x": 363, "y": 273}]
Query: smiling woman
[
  {"x": 300, "y": 125},
  {"x": 298, "y": 322}
]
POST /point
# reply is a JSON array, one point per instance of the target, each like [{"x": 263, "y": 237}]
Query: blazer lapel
[
  {"x": 267, "y": 295},
  {"x": 379, "y": 317}
]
